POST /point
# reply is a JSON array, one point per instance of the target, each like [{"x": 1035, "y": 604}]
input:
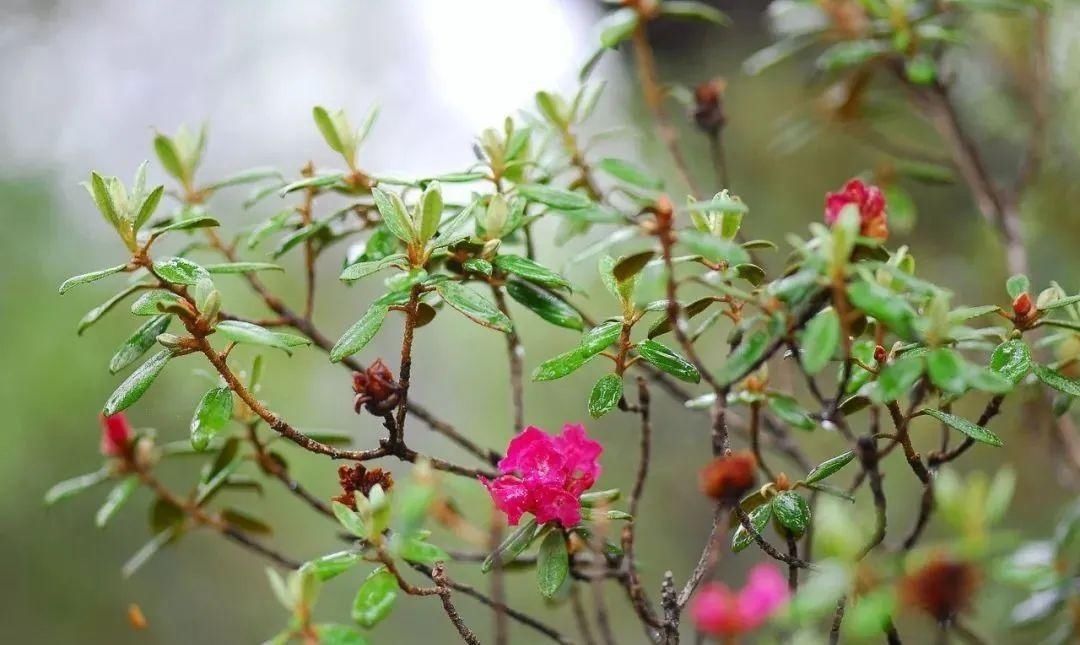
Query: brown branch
[
  {"x": 442, "y": 583},
  {"x": 632, "y": 581},
  {"x": 764, "y": 545},
  {"x": 514, "y": 352}
]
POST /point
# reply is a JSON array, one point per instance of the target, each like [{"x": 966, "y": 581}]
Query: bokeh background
[{"x": 86, "y": 82}]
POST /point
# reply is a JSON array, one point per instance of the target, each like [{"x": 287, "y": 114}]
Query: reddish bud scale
[
  {"x": 880, "y": 354},
  {"x": 358, "y": 479},
  {"x": 375, "y": 387},
  {"x": 708, "y": 110},
  {"x": 727, "y": 478},
  {"x": 942, "y": 588}
]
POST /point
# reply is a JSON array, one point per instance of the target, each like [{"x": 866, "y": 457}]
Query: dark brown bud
[
  {"x": 880, "y": 354},
  {"x": 709, "y": 105},
  {"x": 358, "y": 479},
  {"x": 375, "y": 388},
  {"x": 727, "y": 478},
  {"x": 941, "y": 588}
]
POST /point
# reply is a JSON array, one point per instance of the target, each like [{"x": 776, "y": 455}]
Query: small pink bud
[
  {"x": 873, "y": 219},
  {"x": 116, "y": 435}
]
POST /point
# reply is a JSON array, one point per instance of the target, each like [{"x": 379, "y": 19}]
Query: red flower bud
[
  {"x": 880, "y": 354},
  {"x": 709, "y": 105},
  {"x": 728, "y": 477},
  {"x": 116, "y": 435},
  {"x": 1022, "y": 306},
  {"x": 873, "y": 220}
]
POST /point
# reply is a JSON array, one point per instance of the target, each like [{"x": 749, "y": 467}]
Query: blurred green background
[{"x": 86, "y": 83}]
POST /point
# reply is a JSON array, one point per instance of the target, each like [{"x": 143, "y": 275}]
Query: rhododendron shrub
[{"x": 832, "y": 343}]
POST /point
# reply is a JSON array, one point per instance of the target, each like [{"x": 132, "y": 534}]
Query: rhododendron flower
[
  {"x": 719, "y": 611},
  {"x": 116, "y": 435},
  {"x": 545, "y": 475},
  {"x": 870, "y": 202}
]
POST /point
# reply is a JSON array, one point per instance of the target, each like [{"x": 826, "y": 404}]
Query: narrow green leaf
[
  {"x": 394, "y": 214},
  {"x": 829, "y": 467},
  {"x": 239, "y": 331},
  {"x": 375, "y": 598},
  {"x": 153, "y": 302},
  {"x": 742, "y": 360},
  {"x": 898, "y": 378},
  {"x": 148, "y": 206},
  {"x": 552, "y": 564},
  {"x": 360, "y": 334},
  {"x": 978, "y": 433},
  {"x": 792, "y": 511},
  {"x": 242, "y": 267},
  {"x": 350, "y": 519},
  {"x": 93, "y": 276},
  {"x": 211, "y": 416},
  {"x": 148, "y": 550},
  {"x": 333, "y": 634},
  {"x": 419, "y": 551},
  {"x": 1060, "y": 302},
  {"x": 97, "y": 312},
  {"x": 600, "y": 337},
  {"x": 554, "y": 197},
  {"x": 169, "y": 157},
  {"x": 474, "y": 306},
  {"x": 138, "y": 343},
  {"x": 180, "y": 271},
  {"x": 789, "y": 411},
  {"x": 694, "y": 11},
  {"x": 561, "y": 365},
  {"x": 713, "y": 248},
  {"x": 244, "y": 522},
  {"x": 359, "y": 270},
  {"x": 116, "y": 498},
  {"x": 530, "y": 270},
  {"x": 249, "y": 176},
  {"x": 617, "y": 26},
  {"x": 512, "y": 546},
  {"x": 543, "y": 304},
  {"x": 820, "y": 339},
  {"x": 99, "y": 191},
  {"x": 430, "y": 210},
  {"x": 629, "y": 173},
  {"x": 334, "y": 564},
  {"x": 759, "y": 517},
  {"x": 201, "y": 221},
  {"x": 886, "y": 306},
  {"x": 318, "y": 181},
  {"x": 327, "y": 128},
  {"x": 605, "y": 395},
  {"x": 629, "y": 266},
  {"x": 71, "y": 487},
  {"x": 1056, "y": 380},
  {"x": 136, "y": 384},
  {"x": 663, "y": 357},
  {"x": 946, "y": 370},
  {"x": 478, "y": 265},
  {"x": 664, "y": 325}
]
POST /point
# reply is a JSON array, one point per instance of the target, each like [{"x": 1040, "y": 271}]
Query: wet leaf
[
  {"x": 211, "y": 416},
  {"x": 474, "y": 306},
  {"x": 139, "y": 342},
  {"x": 820, "y": 339},
  {"x": 605, "y": 395},
  {"x": 1056, "y": 380},
  {"x": 759, "y": 518},
  {"x": 829, "y": 467},
  {"x": 180, "y": 271},
  {"x": 71, "y": 487},
  {"x": 552, "y": 564},
  {"x": 239, "y": 331},
  {"x": 93, "y": 276},
  {"x": 667, "y": 360},
  {"x": 334, "y": 564},
  {"x": 512, "y": 546},
  {"x": 360, "y": 333},
  {"x": 375, "y": 598},
  {"x": 120, "y": 494},
  {"x": 135, "y": 385},
  {"x": 792, "y": 511},
  {"x": 742, "y": 360},
  {"x": 978, "y": 433},
  {"x": 1011, "y": 359},
  {"x": 543, "y": 304}
]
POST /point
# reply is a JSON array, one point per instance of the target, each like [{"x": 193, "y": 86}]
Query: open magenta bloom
[
  {"x": 116, "y": 435},
  {"x": 545, "y": 475},
  {"x": 870, "y": 202},
  {"x": 719, "y": 611}
]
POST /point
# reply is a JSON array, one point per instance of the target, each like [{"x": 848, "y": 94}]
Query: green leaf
[
  {"x": 135, "y": 346},
  {"x": 693, "y": 10},
  {"x": 147, "y": 551},
  {"x": 1011, "y": 359},
  {"x": 759, "y": 517},
  {"x": 245, "y": 522},
  {"x": 554, "y": 197},
  {"x": 543, "y": 304},
  {"x": 242, "y": 267},
  {"x": 211, "y": 416},
  {"x": 180, "y": 271},
  {"x": 829, "y": 467},
  {"x": 1060, "y": 302},
  {"x": 169, "y": 157},
  {"x": 201, "y": 221},
  {"x": 475, "y": 307},
  {"x": 512, "y": 546},
  {"x": 713, "y": 248},
  {"x": 530, "y": 270},
  {"x": 946, "y": 370},
  {"x": 318, "y": 181},
  {"x": 249, "y": 176},
  {"x": 600, "y": 337},
  {"x": 788, "y": 410},
  {"x": 97, "y": 312},
  {"x": 631, "y": 265},
  {"x": 93, "y": 276},
  {"x": 1017, "y": 285},
  {"x": 120, "y": 494},
  {"x": 667, "y": 360},
  {"x": 744, "y": 357},
  {"x": 898, "y": 377},
  {"x": 359, "y": 270},
  {"x": 135, "y": 385},
  {"x": 148, "y": 206},
  {"x": 350, "y": 519},
  {"x": 552, "y": 563},
  {"x": 375, "y": 598},
  {"x": 1056, "y": 380},
  {"x": 792, "y": 511},
  {"x": 605, "y": 395},
  {"x": 417, "y": 550},
  {"x": 328, "y": 129},
  {"x": 99, "y": 191},
  {"x": 148, "y": 304},
  {"x": 71, "y": 487},
  {"x": 884, "y": 305},
  {"x": 664, "y": 325},
  {"x": 333, "y": 634},
  {"x": 430, "y": 210},
  {"x": 820, "y": 339},
  {"x": 629, "y": 173},
  {"x": 561, "y": 365},
  {"x": 478, "y": 265},
  {"x": 617, "y": 27},
  {"x": 395, "y": 215},
  {"x": 239, "y": 331},
  {"x": 334, "y": 564},
  {"x": 360, "y": 334},
  {"x": 957, "y": 316},
  {"x": 849, "y": 53},
  {"x": 978, "y": 433}
]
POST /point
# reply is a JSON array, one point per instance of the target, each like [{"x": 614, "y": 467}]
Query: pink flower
[
  {"x": 116, "y": 435},
  {"x": 719, "y": 611},
  {"x": 870, "y": 202},
  {"x": 545, "y": 475}
]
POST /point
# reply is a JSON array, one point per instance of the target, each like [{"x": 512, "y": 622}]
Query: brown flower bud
[
  {"x": 727, "y": 478},
  {"x": 880, "y": 354},
  {"x": 941, "y": 588},
  {"x": 358, "y": 479},
  {"x": 709, "y": 106},
  {"x": 375, "y": 388}
]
